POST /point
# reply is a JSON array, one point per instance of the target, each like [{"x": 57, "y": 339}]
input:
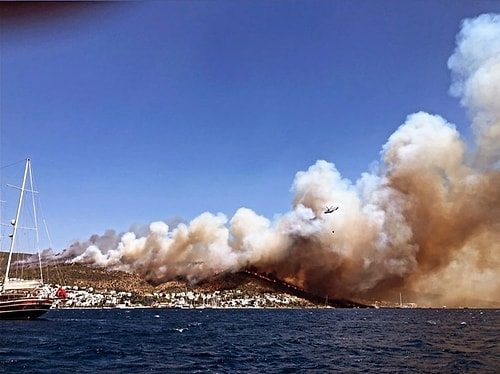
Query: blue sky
[{"x": 142, "y": 111}]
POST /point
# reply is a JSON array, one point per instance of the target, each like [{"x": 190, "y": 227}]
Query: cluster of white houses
[{"x": 76, "y": 297}]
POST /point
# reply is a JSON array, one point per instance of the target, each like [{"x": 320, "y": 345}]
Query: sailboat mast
[
  {"x": 14, "y": 222},
  {"x": 37, "y": 236}
]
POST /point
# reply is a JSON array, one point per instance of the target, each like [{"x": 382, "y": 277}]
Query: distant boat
[{"x": 21, "y": 298}]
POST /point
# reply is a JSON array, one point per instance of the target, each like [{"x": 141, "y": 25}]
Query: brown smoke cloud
[{"x": 426, "y": 221}]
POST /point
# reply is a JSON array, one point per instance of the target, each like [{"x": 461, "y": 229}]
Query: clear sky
[{"x": 134, "y": 112}]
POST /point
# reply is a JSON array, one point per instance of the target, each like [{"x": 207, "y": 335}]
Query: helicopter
[{"x": 330, "y": 209}]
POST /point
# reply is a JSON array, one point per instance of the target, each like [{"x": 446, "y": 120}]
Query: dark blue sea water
[{"x": 249, "y": 341}]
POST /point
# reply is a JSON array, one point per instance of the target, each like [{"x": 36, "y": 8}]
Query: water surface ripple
[{"x": 247, "y": 340}]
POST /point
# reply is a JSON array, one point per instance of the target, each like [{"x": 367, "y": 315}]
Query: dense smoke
[{"x": 427, "y": 220}]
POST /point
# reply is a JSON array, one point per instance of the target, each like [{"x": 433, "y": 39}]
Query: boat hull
[{"x": 23, "y": 308}]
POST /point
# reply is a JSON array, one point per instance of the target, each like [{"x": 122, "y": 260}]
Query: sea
[{"x": 253, "y": 341}]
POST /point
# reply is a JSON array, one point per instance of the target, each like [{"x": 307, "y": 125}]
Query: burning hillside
[{"x": 427, "y": 219}]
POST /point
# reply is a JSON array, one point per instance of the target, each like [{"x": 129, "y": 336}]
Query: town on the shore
[
  {"x": 81, "y": 297},
  {"x": 88, "y": 297}
]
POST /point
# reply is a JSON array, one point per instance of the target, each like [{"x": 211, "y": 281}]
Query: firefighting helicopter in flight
[{"x": 330, "y": 209}]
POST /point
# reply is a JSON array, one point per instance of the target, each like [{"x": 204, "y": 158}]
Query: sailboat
[{"x": 21, "y": 298}]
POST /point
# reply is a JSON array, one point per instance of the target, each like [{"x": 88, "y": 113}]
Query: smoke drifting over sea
[{"x": 427, "y": 220}]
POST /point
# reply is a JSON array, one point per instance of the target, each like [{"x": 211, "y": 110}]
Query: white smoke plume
[
  {"x": 427, "y": 220},
  {"x": 476, "y": 69}
]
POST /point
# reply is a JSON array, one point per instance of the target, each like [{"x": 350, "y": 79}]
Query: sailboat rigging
[{"x": 21, "y": 298}]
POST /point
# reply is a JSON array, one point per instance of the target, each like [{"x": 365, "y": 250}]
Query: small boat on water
[{"x": 22, "y": 298}]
